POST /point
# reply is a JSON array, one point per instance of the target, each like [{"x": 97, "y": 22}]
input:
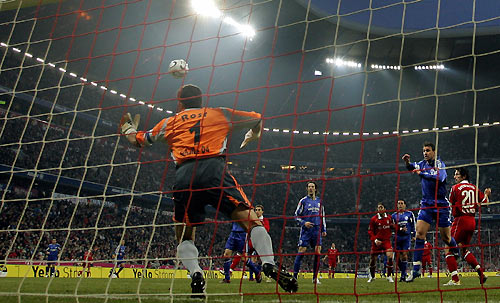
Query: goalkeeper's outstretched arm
[
  {"x": 253, "y": 134},
  {"x": 128, "y": 127}
]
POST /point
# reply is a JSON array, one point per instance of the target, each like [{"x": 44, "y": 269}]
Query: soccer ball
[{"x": 178, "y": 68}]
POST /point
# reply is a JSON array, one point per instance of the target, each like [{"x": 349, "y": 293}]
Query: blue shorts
[
  {"x": 119, "y": 262},
  {"x": 236, "y": 241},
  {"x": 52, "y": 258},
  {"x": 310, "y": 237},
  {"x": 430, "y": 214},
  {"x": 403, "y": 242}
]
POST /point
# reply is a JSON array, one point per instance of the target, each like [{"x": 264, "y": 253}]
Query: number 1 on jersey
[{"x": 196, "y": 130}]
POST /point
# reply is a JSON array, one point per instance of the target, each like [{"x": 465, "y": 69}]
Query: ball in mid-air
[{"x": 178, "y": 68}]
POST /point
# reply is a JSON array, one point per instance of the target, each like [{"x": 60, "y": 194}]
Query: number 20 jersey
[
  {"x": 465, "y": 199},
  {"x": 198, "y": 132}
]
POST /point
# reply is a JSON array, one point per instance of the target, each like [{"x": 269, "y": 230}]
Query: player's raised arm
[
  {"x": 243, "y": 120},
  {"x": 253, "y": 134},
  {"x": 409, "y": 165},
  {"x": 128, "y": 127},
  {"x": 487, "y": 194}
]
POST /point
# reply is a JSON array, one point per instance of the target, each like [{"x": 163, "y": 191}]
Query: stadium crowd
[{"x": 27, "y": 228}]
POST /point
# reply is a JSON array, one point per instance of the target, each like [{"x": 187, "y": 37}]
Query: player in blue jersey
[
  {"x": 311, "y": 216},
  {"x": 434, "y": 204},
  {"x": 118, "y": 256},
  {"x": 52, "y": 254},
  {"x": 405, "y": 221},
  {"x": 236, "y": 243}
]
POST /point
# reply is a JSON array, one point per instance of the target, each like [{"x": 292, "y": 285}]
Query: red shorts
[
  {"x": 463, "y": 228},
  {"x": 383, "y": 247},
  {"x": 332, "y": 263}
]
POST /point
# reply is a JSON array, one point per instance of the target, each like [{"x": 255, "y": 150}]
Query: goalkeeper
[{"x": 197, "y": 137}]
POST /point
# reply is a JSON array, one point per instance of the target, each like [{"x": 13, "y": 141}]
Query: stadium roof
[{"x": 456, "y": 17}]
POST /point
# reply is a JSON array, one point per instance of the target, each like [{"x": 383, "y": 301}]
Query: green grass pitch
[{"x": 158, "y": 290}]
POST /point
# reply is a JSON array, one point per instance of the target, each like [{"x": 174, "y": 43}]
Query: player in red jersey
[
  {"x": 333, "y": 258},
  {"x": 465, "y": 199},
  {"x": 259, "y": 211},
  {"x": 88, "y": 258},
  {"x": 380, "y": 231},
  {"x": 426, "y": 259}
]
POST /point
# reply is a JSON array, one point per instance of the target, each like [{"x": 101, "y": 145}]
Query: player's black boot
[
  {"x": 285, "y": 280},
  {"x": 198, "y": 285},
  {"x": 258, "y": 277}
]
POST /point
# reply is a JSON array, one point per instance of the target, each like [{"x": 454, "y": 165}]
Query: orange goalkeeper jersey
[{"x": 198, "y": 132}]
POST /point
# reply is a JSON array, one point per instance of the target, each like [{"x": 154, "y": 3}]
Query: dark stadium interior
[{"x": 60, "y": 134}]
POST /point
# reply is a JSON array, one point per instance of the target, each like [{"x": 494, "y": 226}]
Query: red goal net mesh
[{"x": 345, "y": 89}]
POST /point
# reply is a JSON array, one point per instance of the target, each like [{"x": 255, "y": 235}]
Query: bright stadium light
[
  {"x": 206, "y": 8},
  {"x": 393, "y": 67},
  {"x": 209, "y": 9},
  {"x": 245, "y": 29},
  {"x": 438, "y": 66},
  {"x": 341, "y": 62}
]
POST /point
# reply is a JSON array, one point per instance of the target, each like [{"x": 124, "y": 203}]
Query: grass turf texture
[{"x": 331, "y": 290}]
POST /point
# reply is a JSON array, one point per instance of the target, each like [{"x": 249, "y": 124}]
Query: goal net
[{"x": 345, "y": 88}]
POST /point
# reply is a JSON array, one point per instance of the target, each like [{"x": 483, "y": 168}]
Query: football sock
[
  {"x": 253, "y": 268},
  {"x": 402, "y": 267},
  {"x": 417, "y": 255},
  {"x": 471, "y": 259},
  {"x": 187, "y": 253},
  {"x": 296, "y": 264},
  {"x": 372, "y": 271},
  {"x": 236, "y": 261},
  {"x": 227, "y": 272},
  {"x": 451, "y": 261},
  {"x": 389, "y": 267},
  {"x": 315, "y": 267},
  {"x": 262, "y": 243}
]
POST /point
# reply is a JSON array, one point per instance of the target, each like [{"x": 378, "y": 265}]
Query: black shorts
[{"x": 206, "y": 189}]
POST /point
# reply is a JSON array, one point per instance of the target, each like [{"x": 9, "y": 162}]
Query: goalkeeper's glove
[
  {"x": 250, "y": 136},
  {"x": 129, "y": 126}
]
